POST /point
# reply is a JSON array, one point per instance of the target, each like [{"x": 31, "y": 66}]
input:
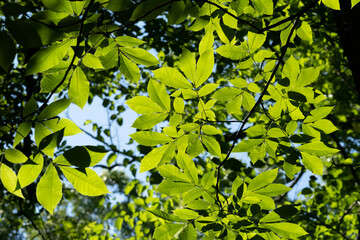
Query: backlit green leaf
[
  {"x": 148, "y": 121},
  {"x": 139, "y": 56},
  {"x": 21, "y": 132},
  {"x": 157, "y": 93},
  {"x": 79, "y": 88},
  {"x": 171, "y": 77},
  {"x": 9, "y": 180},
  {"x": 317, "y": 149},
  {"x": 54, "y": 109},
  {"x": 287, "y": 230},
  {"x": 312, "y": 163},
  {"x": 15, "y": 156},
  {"x": 148, "y": 138},
  {"x": 85, "y": 181},
  {"x": 255, "y": 40},
  {"x": 231, "y": 51},
  {"x": 188, "y": 64},
  {"x": 129, "y": 69},
  {"x": 273, "y": 190},
  {"x": 48, "y": 57},
  {"x": 186, "y": 214},
  {"x": 333, "y": 4},
  {"x": 170, "y": 188},
  {"x": 30, "y": 171},
  {"x": 49, "y": 189},
  {"x": 204, "y": 67},
  {"x": 263, "y": 179},
  {"x": 143, "y": 105}
]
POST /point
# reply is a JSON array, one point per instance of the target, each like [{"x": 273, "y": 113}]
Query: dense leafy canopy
[{"x": 237, "y": 101}]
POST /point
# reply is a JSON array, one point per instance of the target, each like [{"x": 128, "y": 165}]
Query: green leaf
[
  {"x": 318, "y": 113},
  {"x": 186, "y": 163},
  {"x": 186, "y": 214},
  {"x": 207, "y": 42},
  {"x": 143, "y": 105},
  {"x": 291, "y": 127},
  {"x": 50, "y": 81},
  {"x": 207, "y": 89},
  {"x": 312, "y": 163},
  {"x": 49, "y": 189},
  {"x": 262, "y": 54},
  {"x": 164, "y": 215},
  {"x": 139, "y": 56},
  {"x": 129, "y": 69},
  {"x": 354, "y": 2},
  {"x": 226, "y": 93},
  {"x": 85, "y": 181},
  {"x": 172, "y": 173},
  {"x": 171, "y": 77},
  {"x": 255, "y": 131},
  {"x": 7, "y": 50},
  {"x": 81, "y": 156},
  {"x": 306, "y": 77},
  {"x": 255, "y": 40},
  {"x": 148, "y": 121},
  {"x": 210, "y": 130},
  {"x": 287, "y": 230},
  {"x": 148, "y": 138},
  {"x": 192, "y": 195},
  {"x": 232, "y": 52},
  {"x": 247, "y": 145},
  {"x": 317, "y": 149},
  {"x": 58, "y": 6},
  {"x": 263, "y": 179},
  {"x": 188, "y": 64},
  {"x": 127, "y": 41},
  {"x": 324, "y": 125},
  {"x": 30, "y": 107},
  {"x": 234, "y": 105},
  {"x": 15, "y": 156},
  {"x": 110, "y": 59},
  {"x": 189, "y": 232},
  {"x": 56, "y": 125},
  {"x": 48, "y": 57},
  {"x": 208, "y": 179},
  {"x": 204, "y": 67},
  {"x": 148, "y": 10},
  {"x": 9, "y": 180},
  {"x": 273, "y": 190},
  {"x": 333, "y": 4},
  {"x": 264, "y": 6},
  {"x": 30, "y": 171},
  {"x": 212, "y": 145},
  {"x": 179, "y": 105},
  {"x": 198, "y": 205},
  {"x": 304, "y": 32},
  {"x": 276, "y": 133},
  {"x": 167, "y": 231},
  {"x": 153, "y": 158},
  {"x": 170, "y": 188},
  {"x": 248, "y": 101},
  {"x": 253, "y": 87},
  {"x": 79, "y": 88},
  {"x": 54, "y": 109},
  {"x": 21, "y": 132},
  {"x": 279, "y": 214},
  {"x": 291, "y": 69},
  {"x": 157, "y": 93},
  {"x": 92, "y": 61}
]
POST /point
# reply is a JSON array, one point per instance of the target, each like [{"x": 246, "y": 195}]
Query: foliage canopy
[{"x": 237, "y": 101}]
